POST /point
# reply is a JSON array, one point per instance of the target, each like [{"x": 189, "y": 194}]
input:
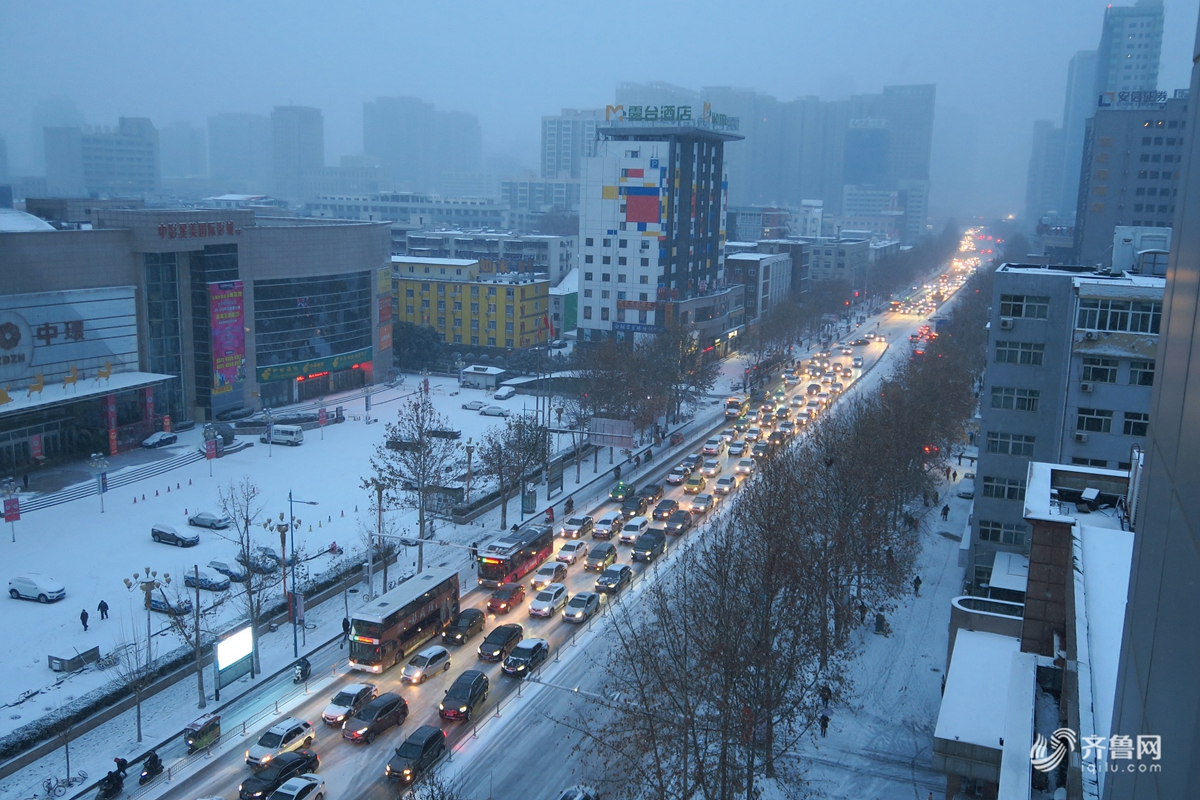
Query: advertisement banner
[
  {"x": 148, "y": 403},
  {"x": 228, "y": 329},
  {"x": 167, "y": 423},
  {"x": 385, "y": 337},
  {"x": 112, "y": 442},
  {"x": 35, "y": 446},
  {"x": 210, "y": 449},
  {"x": 385, "y": 310},
  {"x": 321, "y": 416},
  {"x": 383, "y": 279},
  {"x": 296, "y": 369},
  {"x": 12, "y": 509}
]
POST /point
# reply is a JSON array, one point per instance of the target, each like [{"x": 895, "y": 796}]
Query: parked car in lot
[
  {"x": 282, "y": 768},
  {"x": 608, "y": 526},
  {"x": 506, "y": 598},
  {"x": 285, "y": 735},
  {"x": 601, "y": 556},
  {"x": 526, "y": 657},
  {"x": 665, "y": 508},
  {"x": 207, "y": 519},
  {"x": 549, "y": 600},
  {"x": 229, "y": 568},
  {"x": 581, "y": 607},
  {"x": 494, "y": 411},
  {"x": 551, "y": 572},
  {"x": 474, "y": 405},
  {"x": 679, "y": 522},
  {"x": 571, "y": 552},
  {"x": 430, "y": 661},
  {"x": 614, "y": 579},
  {"x": 166, "y": 534},
  {"x": 214, "y": 582},
  {"x": 259, "y": 562},
  {"x": 34, "y": 586},
  {"x": 465, "y": 624},
  {"x": 160, "y": 439},
  {"x": 385, "y": 711},
  {"x": 174, "y": 608},
  {"x": 420, "y": 751},
  {"x": 347, "y": 702},
  {"x": 576, "y": 527},
  {"x": 500, "y": 642}
]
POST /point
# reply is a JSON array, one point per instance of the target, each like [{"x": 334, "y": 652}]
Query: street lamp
[
  {"x": 470, "y": 447},
  {"x": 9, "y": 489},
  {"x": 147, "y": 582},
  {"x": 293, "y": 523},
  {"x": 269, "y": 416},
  {"x": 99, "y": 463}
]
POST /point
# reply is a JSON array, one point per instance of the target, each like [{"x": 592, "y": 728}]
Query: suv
[
  {"x": 347, "y": 702},
  {"x": 419, "y": 752},
  {"x": 465, "y": 696},
  {"x": 609, "y": 525},
  {"x": 376, "y": 717},
  {"x": 500, "y": 642},
  {"x": 466, "y": 624},
  {"x": 526, "y": 657},
  {"x": 285, "y": 767},
  {"x": 548, "y": 573},
  {"x": 548, "y": 600},
  {"x": 601, "y": 556},
  {"x": 634, "y": 505},
  {"x": 32, "y": 586},
  {"x": 649, "y": 546},
  {"x": 284, "y": 736},
  {"x": 614, "y": 579}
]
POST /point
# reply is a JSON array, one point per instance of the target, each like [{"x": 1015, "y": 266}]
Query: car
[
  {"x": 173, "y": 608},
  {"x": 287, "y": 734},
  {"x": 160, "y": 439},
  {"x": 430, "y": 661},
  {"x": 207, "y": 519},
  {"x": 791, "y": 379},
  {"x": 783, "y": 414},
  {"x": 385, "y": 711},
  {"x": 754, "y": 434},
  {"x": 558, "y": 344},
  {"x": 634, "y": 505},
  {"x": 828, "y": 378},
  {"x": 608, "y": 526},
  {"x": 703, "y": 503},
  {"x": 813, "y": 389},
  {"x": 420, "y": 751},
  {"x": 500, "y": 642},
  {"x": 711, "y": 468},
  {"x": 725, "y": 485},
  {"x": 728, "y": 435},
  {"x": 465, "y": 624},
  {"x": 767, "y": 422},
  {"x": 694, "y": 485},
  {"x": 553, "y": 572},
  {"x": 693, "y": 461},
  {"x": 35, "y": 586},
  {"x": 282, "y": 768},
  {"x": 665, "y": 508},
  {"x": 260, "y": 562},
  {"x": 825, "y": 397},
  {"x": 847, "y": 350},
  {"x": 601, "y": 556},
  {"x": 504, "y": 393},
  {"x": 474, "y": 405},
  {"x": 653, "y": 492},
  {"x": 745, "y": 467},
  {"x": 301, "y": 787},
  {"x": 525, "y": 658},
  {"x": 549, "y": 600},
  {"x": 714, "y": 446},
  {"x": 213, "y": 582},
  {"x": 797, "y": 403},
  {"x": 614, "y": 579},
  {"x": 966, "y": 489},
  {"x": 465, "y": 696},
  {"x": 847, "y": 373},
  {"x": 581, "y": 607},
  {"x": 650, "y": 545},
  {"x": 229, "y": 568},
  {"x": 761, "y": 450},
  {"x": 780, "y": 395},
  {"x": 571, "y": 552},
  {"x": 579, "y": 792},
  {"x": 741, "y": 424},
  {"x": 777, "y": 438},
  {"x": 737, "y": 448},
  {"x": 788, "y": 428},
  {"x": 576, "y": 527},
  {"x": 494, "y": 411},
  {"x": 861, "y": 342},
  {"x": 165, "y": 534},
  {"x": 836, "y": 387},
  {"x": 679, "y": 522},
  {"x": 347, "y": 702},
  {"x": 678, "y": 475},
  {"x": 621, "y": 491},
  {"x": 814, "y": 407},
  {"x": 506, "y": 598}
]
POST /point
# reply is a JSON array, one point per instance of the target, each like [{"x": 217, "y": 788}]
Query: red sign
[
  {"x": 210, "y": 449},
  {"x": 385, "y": 309},
  {"x": 148, "y": 403},
  {"x": 35, "y": 445},
  {"x": 12, "y": 509},
  {"x": 167, "y": 423},
  {"x": 321, "y": 416},
  {"x": 112, "y": 442}
]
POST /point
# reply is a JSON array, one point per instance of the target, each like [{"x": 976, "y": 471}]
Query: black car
[
  {"x": 376, "y": 717},
  {"x": 614, "y": 579},
  {"x": 526, "y": 657},
  {"x": 760, "y": 450},
  {"x": 777, "y": 438},
  {"x": 277, "y": 773},
  {"x": 465, "y": 696},
  {"x": 679, "y": 522},
  {"x": 649, "y": 546},
  {"x": 634, "y": 505},
  {"x": 466, "y": 624},
  {"x": 653, "y": 492},
  {"x": 419, "y": 752},
  {"x": 665, "y": 509},
  {"x": 500, "y": 642}
]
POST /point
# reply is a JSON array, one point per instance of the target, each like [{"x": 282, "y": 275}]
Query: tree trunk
[
  {"x": 137, "y": 696},
  {"x": 199, "y": 656}
]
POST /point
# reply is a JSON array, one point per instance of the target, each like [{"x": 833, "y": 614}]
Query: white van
[
  {"x": 634, "y": 527},
  {"x": 504, "y": 392},
  {"x": 286, "y": 434}
]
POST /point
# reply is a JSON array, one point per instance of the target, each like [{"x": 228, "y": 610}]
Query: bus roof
[
  {"x": 383, "y": 605},
  {"x": 510, "y": 543}
]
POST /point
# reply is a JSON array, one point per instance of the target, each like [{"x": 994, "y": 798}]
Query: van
[
  {"x": 286, "y": 434},
  {"x": 633, "y": 528},
  {"x": 504, "y": 392}
]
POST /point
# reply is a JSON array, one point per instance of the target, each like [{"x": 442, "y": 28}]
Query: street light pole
[
  {"x": 292, "y": 522},
  {"x": 470, "y": 447},
  {"x": 147, "y": 582},
  {"x": 99, "y": 463},
  {"x": 269, "y": 416}
]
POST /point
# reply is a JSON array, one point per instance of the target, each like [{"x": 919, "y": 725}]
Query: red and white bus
[
  {"x": 397, "y": 623},
  {"x": 514, "y": 555}
]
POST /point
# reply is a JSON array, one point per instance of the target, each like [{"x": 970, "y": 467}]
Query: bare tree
[
  {"x": 191, "y": 628},
  {"x": 510, "y": 453},
  {"x": 241, "y": 502},
  {"x": 132, "y": 671}
]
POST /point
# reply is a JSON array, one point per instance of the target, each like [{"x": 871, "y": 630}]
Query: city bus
[
  {"x": 514, "y": 555},
  {"x": 397, "y": 623}
]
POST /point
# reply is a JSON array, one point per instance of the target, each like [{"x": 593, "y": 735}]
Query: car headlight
[
  {"x": 360, "y": 731},
  {"x": 247, "y": 754},
  {"x": 265, "y": 759},
  {"x": 417, "y": 674},
  {"x": 408, "y": 770},
  {"x": 462, "y": 710},
  {"x": 388, "y": 771}
]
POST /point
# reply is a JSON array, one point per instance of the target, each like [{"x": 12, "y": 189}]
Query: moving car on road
[
  {"x": 419, "y": 752},
  {"x": 614, "y": 579},
  {"x": 549, "y": 600},
  {"x": 465, "y": 696},
  {"x": 571, "y": 552},
  {"x": 385, "y": 711},
  {"x": 526, "y": 657},
  {"x": 347, "y": 702},
  {"x": 285, "y": 735},
  {"x": 465, "y": 624},
  {"x": 575, "y": 527},
  {"x": 500, "y": 642},
  {"x": 581, "y": 607},
  {"x": 283, "y": 768},
  {"x": 430, "y": 661}
]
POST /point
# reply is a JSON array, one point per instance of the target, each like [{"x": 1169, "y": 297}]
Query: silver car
[
  {"x": 430, "y": 661},
  {"x": 571, "y": 552},
  {"x": 548, "y": 601}
]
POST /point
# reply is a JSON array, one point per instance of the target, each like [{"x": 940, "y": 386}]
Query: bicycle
[{"x": 56, "y": 787}]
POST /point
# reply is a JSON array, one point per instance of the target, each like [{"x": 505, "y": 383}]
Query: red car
[{"x": 506, "y": 598}]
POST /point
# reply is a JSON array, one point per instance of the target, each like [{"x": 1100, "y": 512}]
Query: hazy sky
[{"x": 998, "y": 64}]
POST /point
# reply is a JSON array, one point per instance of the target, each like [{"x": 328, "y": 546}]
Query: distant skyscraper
[
  {"x": 3, "y": 160},
  {"x": 1043, "y": 185},
  {"x": 181, "y": 149},
  {"x": 567, "y": 139},
  {"x": 418, "y": 145},
  {"x": 1130, "y": 45},
  {"x": 121, "y": 161},
  {"x": 239, "y": 152},
  {"x": 297, "y": 144},
  {"x": 1079, "y": 107}
]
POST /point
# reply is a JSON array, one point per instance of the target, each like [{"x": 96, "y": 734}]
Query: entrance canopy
[{"x": 16, "y": 401}]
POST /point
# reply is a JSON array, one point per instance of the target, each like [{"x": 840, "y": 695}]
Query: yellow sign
[{"x": 384, "y": 280}]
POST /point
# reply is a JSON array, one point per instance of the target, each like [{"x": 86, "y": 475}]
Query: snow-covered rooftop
[
  {"x": 15, "y": 221},
  {"x": 434, "y": 262},
  {"x": 754, "y": 256},
  {"x": 975, "y": 701},
  {"x": 1039, "y": 500},
  {"x": 1107, "y": 559},
  {"x": 54, "y": 393},
  {"x": 568, "y": 285},
  {"x": 1010, "y": 571}
]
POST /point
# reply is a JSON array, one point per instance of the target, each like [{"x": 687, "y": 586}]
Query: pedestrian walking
[
  {"x": 345, "y": 632},
  {"x": 83, "y": 617},
  {"x": 947, "y": 473},
  {"x": 617, "y": 472},
  {"x": 103, "y": 609},
  {"x": 824, "y": 724},
  {"x": 25, "y": 481},
  {"x": 917, "y": 586},
  {"x": 960, "y": 459},
  {"x": 862, "y": 613},
  {"x": 936, "y": 496},
  {"x": 955, "y": 475},
  {"x": 946, "y": 511}
]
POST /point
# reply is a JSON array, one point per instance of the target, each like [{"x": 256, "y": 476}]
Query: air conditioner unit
[
  {"x": 1090, "y": 335},
  {"x": 1085, "y": 387},
  {"x": 1006, "y": 323},
  {"x": 1080, "y": 437}
]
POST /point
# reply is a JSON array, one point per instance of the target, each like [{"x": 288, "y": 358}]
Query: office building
[
  {"x": 120, "y": 161},
  {"x": 1130, "y": 46},
  {"x": 414, "y": 210},
  {"x": 550, "y": 257},
  {"x": 3, "y": 160},
  {"x": 564, "y": 304},
  {"x": 239, "y": 152},
  {"x": 751, "y": 223},
  {"x": 417, "y": 144},
  {"x": 1043, "y": 185},
  {"x": 1078, "y": 108},
  {"x": 540, "y": 195},
  {"x": 653, "y": 231},
  {"x": 1133, "y": 156},
  {"x": 843, "y": 257},
  {"x": 297, "y": 145},
  {"x": 182, "y": 151},
  {"x": 800, "y": 253},
  {"x": 467, "y": 304},
  {"x": 767, "y": 278},
  {"x": 808, "y": 221},
  {"x": 1071, "y": 363},
  {"x": 567, "y": 139}
]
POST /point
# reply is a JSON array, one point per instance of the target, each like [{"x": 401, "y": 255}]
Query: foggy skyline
[{"x": 997, "y": 67}]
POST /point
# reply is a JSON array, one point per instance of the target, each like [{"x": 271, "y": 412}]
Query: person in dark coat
[
  {"x": 917, "y": 586},
  {"x": 946, "y": 512},
  {"x": 25, "y": 481},
  {"x": 824, "y": 724},
  {"x": 345, "y": 632},
  {"x": 103, "y": 609},
  {"x": 83, "y": 617}
]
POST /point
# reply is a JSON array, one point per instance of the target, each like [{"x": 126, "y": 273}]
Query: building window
[
  {"x": 645, "y": 262},
  {"x": 458, "y": 322},
  {"x": 474, "y": 324},
  {"x": 1009, "y": 444},
  {"x": 474, "y": 308},
  {"x": 1125, "y": 316},
  {"x": 441, "y": 322},
  {"x": 587, "y": 292},
  {"x": 424, "y": 304},
  {"x": 588, "y": 260},
  {"x": 605, "y": 276},
  {"x": 620, "y": 315},
  {"x": 508, "y": 310},
  {"x": 508, "y": 327},
  {"x": 1090, "y": 462},
  {"x": 1100, "y": 370},
  {"x": 587, "y": 276},
  {"x": 1141, "y": 373},
  {"x": 606, "y": 259},
  {"x": 604, "y": 313},
  {"x": 1024, "y": 305},
  {"x": 589, "y": 241},
  {"x": 622, "y": 243},
  {"x": 605, "y": 294},
  {"x": 474, "y": 291},
  {"x": 409, "y": 308},
  {"x": 1024, "y": 353},
  {"x": 491, "y": 324},
  {"x": 643, "y": 279},
  {"x": 587, "y": 312},
  {"x": 491, "y": 341},
  {"x": 474, "y": 340},
  {"x": 491, "y": 308},
  {"x": 1004, "y": 488},
  {"x": 1094, "y": 420},
  {"x": 457, "y": 337},
  {"x": 508, "y": 342},
  {"x": 621, "y": 277},
  {"x": 409, "y": 293},
  {"x": 622, "y": 261},
  {"x": 1136, "y": 423},
  {"x": 1004, "y": 532}
]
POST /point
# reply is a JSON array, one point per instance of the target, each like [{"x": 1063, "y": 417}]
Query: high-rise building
[
  {"x": 103, "y": 161},
  {"x": 1132, "y": 158},
  {"x": 1043, "y": 186},
  {"x": 1078, "y": 108},
  {"x": 567, "y": 139},
  {"x": 181, "y": 149},
  {"x": 808, "y": 221},
  {"x": 3, "y": 160},
  {"x": 239, "y": 151},
  {"x": 297, "y": 145},
  {"x": 418, "y": 144},
  {"x": 1130, "y": 45},
  {"x": 767, "y": 278}
]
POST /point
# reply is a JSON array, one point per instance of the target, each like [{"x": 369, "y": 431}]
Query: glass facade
[
  {"x": 164, "y": 344},
  {"x": 217, "y": 262}
]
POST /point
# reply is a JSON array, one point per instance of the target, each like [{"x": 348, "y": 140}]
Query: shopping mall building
[{"x": 152, "y": 318}]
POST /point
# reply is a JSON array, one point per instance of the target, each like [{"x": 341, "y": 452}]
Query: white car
[
  {"x": 301, "y": 787},
  {"x": 745, "y": 467},
  {"x": 347, "y": 702},
  {"x": 430, "y": 661},
  {"x": 609, "y": 525},
  {"x": 725, "y": 485},
  {"x": 284, "y": 736},
  {"x": 703, "y": 503},
  {"x": 474, "y": 405},
  {"x": 495, "y": 411},
  {"x": 571, "y": 552},
  {"x": 714, "y": 446},
  {"x": 34, "y": 586},
  {"x": 711, "y": 467},
  {"x": 554, "y": 572},
  {"x": 549, "y": 601}
]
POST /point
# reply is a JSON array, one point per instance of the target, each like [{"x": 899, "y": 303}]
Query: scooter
[
  {"x": 151, "y": 769},
  {"x": 110, "y": 786},
  {"x": 301, "y": 671}
]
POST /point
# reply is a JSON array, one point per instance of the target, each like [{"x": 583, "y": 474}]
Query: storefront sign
[
  {"x": 385, "y": 310},
  {"x": 12, "y": 509},
  {"x": 634, "y": 327},
  {"x": 227, "y": 318},
  {"x": 383, "y": 281},
  {"x": 35, "y": 446},
  {"x": 297, "y": 369},
  {"x": 196, "y": 230},
  {"x": 638, "y": 305},
  {"x": 672, "y": 115},
  {"x": 385, "y": 337}
]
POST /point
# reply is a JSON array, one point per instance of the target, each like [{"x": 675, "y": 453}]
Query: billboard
[
  {"x": 228, "y": 326},
  {"x": 234, "y": 657},
  {"x": 610, "y": 432}
]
